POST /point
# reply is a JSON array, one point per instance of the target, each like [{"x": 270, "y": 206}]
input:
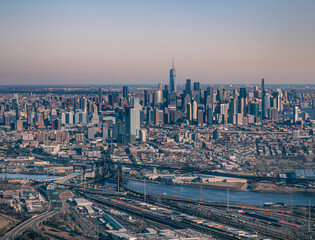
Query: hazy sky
[{"x": 104, "y": 42}]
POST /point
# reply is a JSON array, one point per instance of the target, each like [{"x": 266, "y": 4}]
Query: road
[
  {"x": 55, "y": 206},
  {"x": 17, "y": 231}
]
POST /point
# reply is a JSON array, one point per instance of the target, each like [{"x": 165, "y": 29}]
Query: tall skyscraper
[
  {"x": 133, "y": 120},
  {"x": 158, "y": 95},
  {"x": 264, "y": 109},
  {"x": 196, "y": 86},
  {"x": 194, "y": 111},
  {"x": 265, "y": 105},
  {"x": 173, "y": 87},
  {"x": 100, "y": 98},
  {"x": 125, "y": 91},
  {"x": 243, "y": 93},
  {"x": 295, "y": 114},
  {"x": 263, "y": 85},
  {"x": 188, "y": 86},
  {"x": 95, "y": 118},
  {"x": 189, "y": 112},
  {"x": 196, "y": 93},
  {"x": 83, "y": 104}
]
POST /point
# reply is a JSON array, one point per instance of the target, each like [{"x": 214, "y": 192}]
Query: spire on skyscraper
[{"x": 173, "y": 87}]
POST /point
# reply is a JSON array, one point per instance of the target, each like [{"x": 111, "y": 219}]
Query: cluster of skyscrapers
[{"x": 119, "y": 117}]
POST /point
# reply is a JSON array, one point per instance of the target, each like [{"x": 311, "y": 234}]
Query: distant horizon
[
  {"x": 148, "y": 84},
  {"x": 135, "y": 42}
]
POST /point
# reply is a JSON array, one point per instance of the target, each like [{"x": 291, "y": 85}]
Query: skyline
[{"x": 134, "y": 43}]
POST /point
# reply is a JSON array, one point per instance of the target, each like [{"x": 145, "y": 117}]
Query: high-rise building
[
  {"x": 209, "y": 115},
  {"x": 105, "y": 130},
  {"x": 243, "y": 93},
  {"x": 273, "y": 113},
  {"x": 83, "y": 104},
  {"x": 263, "y": 85},
  {"x": 79, "y": 117},
  {"x": 233, "y": 107},
  {"x": 100, "y": 98},
  {"x": 188, "y": 86},
  {"x": 196, "y": 93},
  {"x": 200, "y": 116},
  {"x": 196, "y": 86},
  {"x": 145, "y": 98},
  {"x": 295, "y": 114},
  {"x": 30, "y": 116},
  {"x": 158, "y": 96},
  {"x": 125, "y": 91},
  {"x": 254, "y": 109},
  {"x": 189, "y": 112},
  {"x": 67, "y": 118},
  {"x": 133, "y": 121},
  {"x": 264, "y": 109},
  {"x": 56, "y": 124},
  {"x": 95, "y": 118},
  {"x": 194, "y": 111},
  {"x": 173, "y": 87},
  {"x": 265, "y": 105}
]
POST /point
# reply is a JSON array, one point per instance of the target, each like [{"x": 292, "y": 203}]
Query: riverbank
[
  {"x": 232, "y": 186},
  {"x": 259, "y": 187},
  {"x": 268, "y": 187},
  {"x": 243, "y": 197}
]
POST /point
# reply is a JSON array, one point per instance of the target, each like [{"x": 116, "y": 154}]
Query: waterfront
[
  {"x": 246, "y": 197},
  {"x": 310, "y": 112}
]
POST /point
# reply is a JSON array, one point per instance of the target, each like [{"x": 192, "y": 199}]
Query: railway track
[{"x": 177, "y": 224}]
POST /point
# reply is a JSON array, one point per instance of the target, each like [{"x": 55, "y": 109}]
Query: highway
[
  {"x": 54, "y": 207},
  {"x": 21, "y": 228}
]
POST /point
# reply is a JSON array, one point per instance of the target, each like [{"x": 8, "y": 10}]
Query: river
[
  {"x": 26, "y": 176},
  {"x": 310, "y": 112},
  {"x": 246, "y": 197}
]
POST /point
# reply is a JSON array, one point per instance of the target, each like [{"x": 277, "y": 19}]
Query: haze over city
[{"x": 134, "y": 42}]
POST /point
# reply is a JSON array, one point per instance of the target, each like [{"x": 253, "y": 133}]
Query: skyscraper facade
[
  {"x": 133, "y": 121},
  {"x": 295, "y": 114},
  {"x": 188, "y": 86},
  {"x": 125, "y": 91},
  {"x": 173, "y": 87}
]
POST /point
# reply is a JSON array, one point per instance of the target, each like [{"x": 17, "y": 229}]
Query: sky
[{"x": 134, "y": 42}]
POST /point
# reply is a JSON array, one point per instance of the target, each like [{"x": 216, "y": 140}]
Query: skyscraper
[
  {"x": 265, "y": 105},
  {"x": 263, "y": 85},
  {"x": 158, "y": 95},
  {"x": 188, "y": 86},
  {"x": 100, "y": 98},
  {"x": 264, "y": 110},
  {"x": 173, "y": 87},
  {"x": 189, "y": 112},
  {"x": 125, "y": 91},
  {"x": 95, "y": 118},
  {"x": 194, "y": 111},
  {"x": 133, "y": 120},
  {"x": 295, "y": 114}
]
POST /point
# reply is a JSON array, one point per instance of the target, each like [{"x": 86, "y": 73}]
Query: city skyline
[{"x": 217, "y": 42}]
